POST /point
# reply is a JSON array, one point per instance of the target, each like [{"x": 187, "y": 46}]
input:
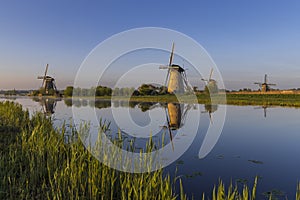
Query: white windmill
[
  {"x": 211, "y": 84},
  {"x": 176, "y": 80}
]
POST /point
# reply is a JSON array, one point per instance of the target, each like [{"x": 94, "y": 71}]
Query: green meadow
[{"x": 288, "y": 100}]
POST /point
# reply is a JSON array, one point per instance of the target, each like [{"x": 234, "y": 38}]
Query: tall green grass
[
  {"x": 39, "y": 164},
  {"x": 232, "y": 193}
]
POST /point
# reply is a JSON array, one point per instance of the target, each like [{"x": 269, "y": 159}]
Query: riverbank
[
  {"x": 256, "y": 99},
  {"x": 37, "y": 163}
]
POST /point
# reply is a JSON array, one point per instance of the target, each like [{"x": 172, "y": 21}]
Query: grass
[
  {"x": 37, "y": 163},
  {"x": 288, "y": 100},
  {"x": 219, "y": 193}
]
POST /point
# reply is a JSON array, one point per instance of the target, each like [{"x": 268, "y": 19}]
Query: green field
[{"x": 289, "y": 100}]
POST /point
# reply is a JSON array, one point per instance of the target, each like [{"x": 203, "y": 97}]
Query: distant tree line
[
  {"x": 144, "y": 89},
  {"x": 98, "y": 91}
]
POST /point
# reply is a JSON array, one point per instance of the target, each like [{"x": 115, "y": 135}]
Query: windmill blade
[
  {"x": 188, "y": 88},
  {"x": 46, "y": 70},
  {"x": 43, "y": 81},
  {"x": 183, "y": 118},
  {"x": 256, "y": 108},
  {"x": 210, "y": 118},
  {"x": 170, "y": 63},
  {"x": 211, "y": 72},
  {"x": 170, "y": 132},
  {"x": 205, "y": 81},
  {"x": 186, "y": 84},
  {"x": 266, "y": 78},
  {"x": 167, "y": 77},
  {"x": 163, "y": 67},
  {"x": 260, "y": 84},
  {"x": 273, "y": 84},
  {"x": 54, "y": 86},
  {"x": 172, "y": 53}
]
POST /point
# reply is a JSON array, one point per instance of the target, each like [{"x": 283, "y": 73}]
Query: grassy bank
[
  {"x": 37, "y": 163},
  {"x": 290, "y": 100}
]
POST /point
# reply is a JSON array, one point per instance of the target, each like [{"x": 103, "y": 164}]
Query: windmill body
[
  {"x": 48, "y": 83},
  {"x": 176, "y": 80},
  {"x": 265, "y": 86},
  {"x": 176, "y": 83},
  {"x": 211, "y": 84}
]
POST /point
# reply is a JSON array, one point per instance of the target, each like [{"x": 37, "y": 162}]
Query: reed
[
  {"x": 39, "y": 164},
  {"x": 36, "y": 162},
  {"x": 233, "y": 193},
  {"x": 298, "y": 192}
]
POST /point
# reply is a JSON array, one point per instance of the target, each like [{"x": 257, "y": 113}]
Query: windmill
[
  {"x": 48, "y": 83},
  {"x": 211, "y": 84},
  {"x": 265, "y": 87},
  {"x": 176, "y": 80},
  {"x": 176, "y": 116}
]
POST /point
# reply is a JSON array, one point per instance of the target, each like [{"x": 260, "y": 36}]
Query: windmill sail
[
  {"x": 265, "y": 86},
  {"x": 48, "y": 83},
  {"x": 210, "y": 84},
  {"x": 176, "y": 81}
]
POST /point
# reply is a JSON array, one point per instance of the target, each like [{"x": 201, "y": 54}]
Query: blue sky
[{"x": 246, "y": 39}]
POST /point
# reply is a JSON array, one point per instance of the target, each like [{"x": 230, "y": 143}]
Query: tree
[
  {"x": 103, "y": 91},
  {"x": 148, "y": 89},
  {"x": 69, "y": 91}
]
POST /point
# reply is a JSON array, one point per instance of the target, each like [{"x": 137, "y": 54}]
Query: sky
[{"x": 246, "y": 39}]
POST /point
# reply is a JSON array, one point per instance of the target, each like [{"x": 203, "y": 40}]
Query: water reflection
[
  {"x": 264, "y": 107},
  {"x": 210, "y": 108},
  {"x": 145, "y": 106},
  {"x": 246, "y": 140},
  {"x": 48, "y": 104},
  {"x": 167, "y": 119},
  {"x": 176, "y": 114}
]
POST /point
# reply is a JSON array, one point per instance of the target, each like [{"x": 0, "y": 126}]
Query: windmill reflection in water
[
  {"x": 210, "y": 108},
  {"x": 175, "y": 116},
  {"x": 48, "y": 105}
]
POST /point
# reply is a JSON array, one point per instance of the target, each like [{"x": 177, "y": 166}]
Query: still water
[{"x": 255, "y": 141}]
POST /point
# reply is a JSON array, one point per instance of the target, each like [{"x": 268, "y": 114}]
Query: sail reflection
[
  {"x": 210, "y": 108},
  {"x": 264, "y": 107},
  {"x": 48, "y": 104}
]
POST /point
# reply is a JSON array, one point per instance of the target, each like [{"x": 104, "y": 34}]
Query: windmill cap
[{"x": 180, "y": 69}]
